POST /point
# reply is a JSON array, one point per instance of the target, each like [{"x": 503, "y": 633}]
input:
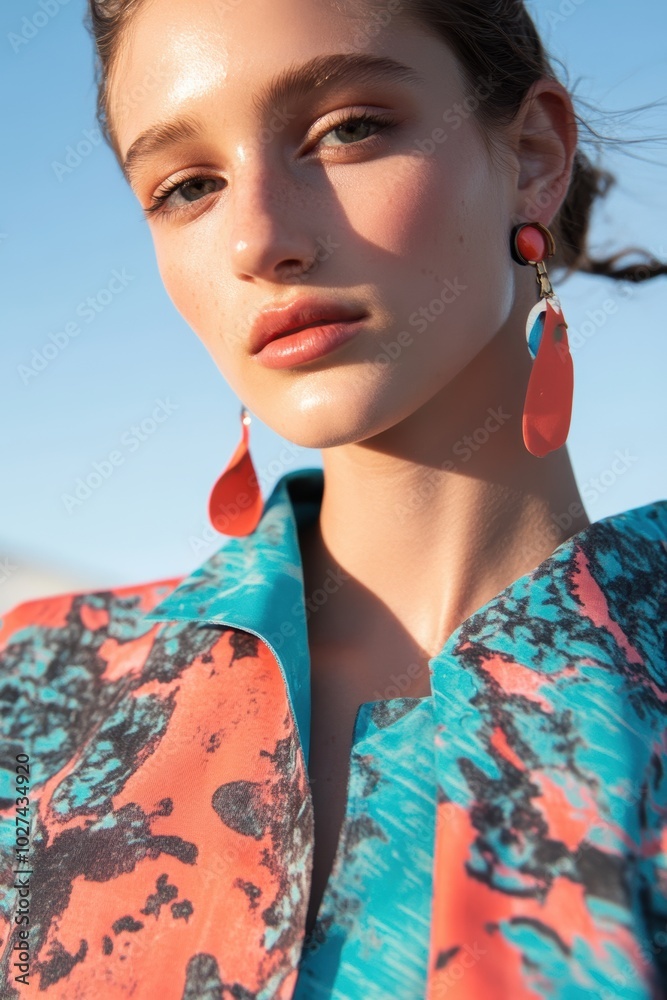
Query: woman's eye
[
  {"x": 355, "y": 129},
  {"x": 195, "y": 189},
  {"x": 183, "y": 193}
]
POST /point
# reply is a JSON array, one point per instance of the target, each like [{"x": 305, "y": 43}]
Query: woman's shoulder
[
  {"x": 117, "y": 611},
  {"x": 92, "y": 669},
  {"x": 601, "y": 595},
  {"x": 631, "y": 544},
  {"x": 648, "y": 520},
  {"x": 644, "y": 523},
  {"x": 620, "y": 572}
]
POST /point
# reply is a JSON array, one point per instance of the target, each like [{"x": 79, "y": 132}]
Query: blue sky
[{"x": 67, "y": 236}]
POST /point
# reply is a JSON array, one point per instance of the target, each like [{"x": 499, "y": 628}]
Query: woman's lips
[{"x": 307, "y": 344}]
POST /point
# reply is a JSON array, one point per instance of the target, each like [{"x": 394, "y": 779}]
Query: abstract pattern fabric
[{"x": 159, "y": 837}]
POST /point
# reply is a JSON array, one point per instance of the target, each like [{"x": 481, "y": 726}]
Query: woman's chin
[{"x": 334, "y": 427}]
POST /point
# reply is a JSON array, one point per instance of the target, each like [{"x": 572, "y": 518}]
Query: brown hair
[{"x": 494, "y": 40}]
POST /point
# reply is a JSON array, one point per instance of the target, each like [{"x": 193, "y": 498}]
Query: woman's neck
[{"x": 425, "y": 523}]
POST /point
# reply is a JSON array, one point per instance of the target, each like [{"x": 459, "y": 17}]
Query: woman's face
[{"x": 404, "y": 219}]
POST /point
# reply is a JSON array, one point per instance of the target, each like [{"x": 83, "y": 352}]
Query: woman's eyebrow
[{"x": 293, "y": 84}]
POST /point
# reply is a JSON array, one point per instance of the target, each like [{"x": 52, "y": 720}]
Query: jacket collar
[{"x": 255, "y": 583}]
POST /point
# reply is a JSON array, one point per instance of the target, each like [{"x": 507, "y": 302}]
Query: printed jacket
[{"x": 163, "y": 819}]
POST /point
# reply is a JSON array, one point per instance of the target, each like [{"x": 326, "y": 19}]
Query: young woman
[{"x": 403, "y": 734}]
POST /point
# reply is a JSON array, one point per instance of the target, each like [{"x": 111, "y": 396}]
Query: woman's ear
[{"x": 545, "y": 141}]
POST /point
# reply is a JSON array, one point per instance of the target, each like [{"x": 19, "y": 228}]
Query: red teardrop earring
[
  {"x": 548, "y": 406},
  {"x": 235, "y": 505}
]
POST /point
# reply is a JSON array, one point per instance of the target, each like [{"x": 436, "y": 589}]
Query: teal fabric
[{"x": 371, "y": 937}]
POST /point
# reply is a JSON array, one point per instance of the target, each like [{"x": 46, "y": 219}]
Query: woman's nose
[{"x": 272, "y": 231}]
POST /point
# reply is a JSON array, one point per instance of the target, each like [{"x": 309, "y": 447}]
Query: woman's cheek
[
  {"x": 187, "y": 281},
  {"x": 390, "y": 202},
  {"x": 201, "y": 298}
]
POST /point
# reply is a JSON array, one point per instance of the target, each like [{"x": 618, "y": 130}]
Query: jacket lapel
[
  {"x": 255, "y": 583},
  {"x": 255, "y": 721}
]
